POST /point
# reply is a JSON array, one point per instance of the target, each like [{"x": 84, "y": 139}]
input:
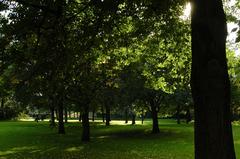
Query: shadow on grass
[
  {"x": 28, "y": 141},
  {"x": 140, "y": 132}
]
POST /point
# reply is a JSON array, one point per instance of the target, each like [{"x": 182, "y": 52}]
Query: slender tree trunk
[
  {"x": 69, "y": 114},
  {"x": 142, "y": 116},
  {"x": 188, "y": 116},
  {"x": 178, "y": 114},
  {"x": 52, "y": 118},
  {"x": 3, "y": 110},
  {"x": 93, "y": 113},
  {"x": 210, "y": 82},
  {"x": 107, "y": 115},
  {"x": 57, "y": 114},
  {"x": 80, "y": 116},
  {"x": 103, "y": 115},
  {"x": 155, "y": 128},
  {"x": 85, "y": 125},
  {"x": 126, "y": 116},
  {"x": 2, "y": 102},
  {"x": 66, "y": 115},
  {"x": 133, "y": 118},
  {"x": 77, "y": 114},
  {"x": 61, "y": 129}
]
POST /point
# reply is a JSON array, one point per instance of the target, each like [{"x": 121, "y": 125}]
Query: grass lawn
[{"x": 31, "y": 140}]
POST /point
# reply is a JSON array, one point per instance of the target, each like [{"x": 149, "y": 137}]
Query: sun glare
[{"x": 186, "y": 11}]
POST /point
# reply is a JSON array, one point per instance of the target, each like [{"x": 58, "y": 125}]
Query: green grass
[{"x": 31, "y": 140}]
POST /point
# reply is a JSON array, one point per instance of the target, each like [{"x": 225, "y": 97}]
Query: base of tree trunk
[
  {"x": 108, "y": 119},
  {"x": 85, "y": 125}
]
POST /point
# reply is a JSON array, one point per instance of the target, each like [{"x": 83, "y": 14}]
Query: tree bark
[
  {"x": 57, "y": 114},
  {"x": 66, "y": 115},
  {"x": 126, "y": 116},
  {"x": 85, "y": 125},
  {"x": 2, "y": 102},
  {"x": 188, "y": 116},
  {"x": 2, "y": 106},
  {"x": 178, "y": 115},
  {"x": 69, "y": 114},
  {"x": 142, "y": 116},
  {"x": 80, "y": 117},
  {"x": 103, "y": 115},
  {"x": 133, "y": 118},
  {"x": 210, "y": 82},
  {"x": 61, "y": 129},
  {"x": 155, "y": 128},
  {"x": 107, "y": 115},
  {"x": 93, "y": 113},
  {"x": 52, "y": 118}
]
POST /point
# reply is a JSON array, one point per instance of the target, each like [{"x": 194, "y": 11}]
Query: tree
[{"x": 210, "y": 82}]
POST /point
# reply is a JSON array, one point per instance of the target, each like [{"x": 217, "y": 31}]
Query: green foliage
[
  {"x": 84, "y": 53},
  {"x": 234, "y": 73}
]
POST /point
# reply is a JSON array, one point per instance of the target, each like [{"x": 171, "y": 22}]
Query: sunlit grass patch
[{"x": 33, "y": 140}]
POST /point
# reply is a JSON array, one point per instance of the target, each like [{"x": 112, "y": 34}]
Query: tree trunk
[
  {"x": 210, "y": 82},
  {"x": 107, "y": 115},
  {"x": 52, "y": 118},
  {"x": 126, "y": 116},
  {"x": 188, "y": 116},
  {"x": 155, "y": 128},
  {"x": 85, "y": 125},
  {"x": 178, "y": 115},
  {"x": 93, "y": 117},
  {"x": 57, "y": 114},
  {"x": 142, "y": 116},
  {"x": 3, "y": 110},
  {"x": 80, "y": 117},
  {"x": 103, "y": 116},
  {"x": 66, "y": 115},
  {"x": 69, "y": 115},
  {"x": 2, "y": 102},
  {"x": 61, "y": 129},
  {"x": 133, "y": 118}
]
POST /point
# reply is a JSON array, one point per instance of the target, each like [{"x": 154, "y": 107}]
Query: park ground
[{"x": 31, "y": 140}]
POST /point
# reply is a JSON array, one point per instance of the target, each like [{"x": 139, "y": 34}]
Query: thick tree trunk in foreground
[
  {"x": 85, "y": 125},
  {"x": 155, "y": 128},
  {"x": 61, "y": 129},
  {"x": 107, "y": 115},
  {"x": 210, "y": 82}
]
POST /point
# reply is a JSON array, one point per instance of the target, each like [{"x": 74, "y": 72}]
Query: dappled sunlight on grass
[
  {"x": 102, "y": 137},
  {"x": 71, "y": 149},
  {"x": 33, "y": 140},
  {"x": 30, "y": 149}
]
